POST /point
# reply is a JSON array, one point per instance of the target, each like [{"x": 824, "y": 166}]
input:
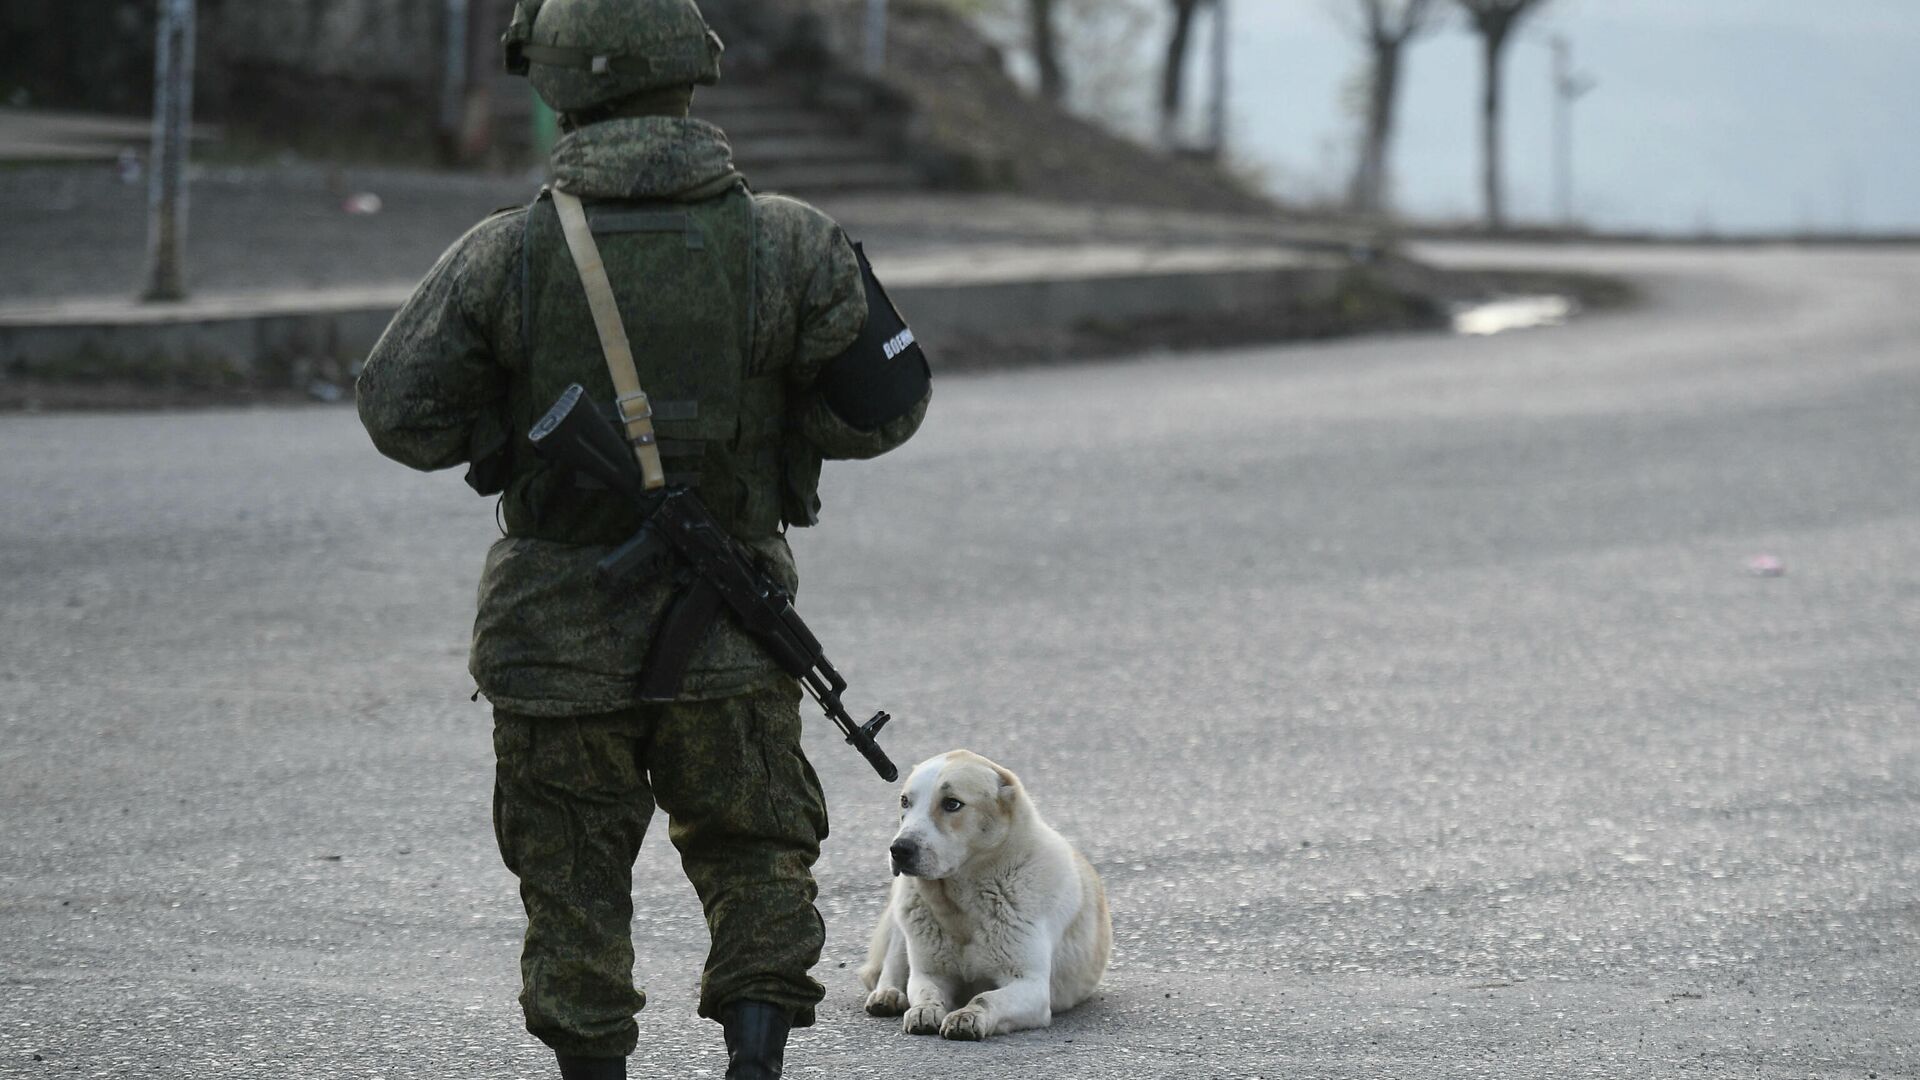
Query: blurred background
[
  {"x": 1711, "y": 117},
  {"x": 341, "y": 146}
]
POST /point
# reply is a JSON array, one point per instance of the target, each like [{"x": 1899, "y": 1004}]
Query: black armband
[{"x": 883, "y": 374}]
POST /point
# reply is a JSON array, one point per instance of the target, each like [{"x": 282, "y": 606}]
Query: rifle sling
[
  {"x": 694, "y": 611},
  {"x": 636, "y": 416}
]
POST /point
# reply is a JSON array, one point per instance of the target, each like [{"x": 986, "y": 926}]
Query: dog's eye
[
  {"x": 904, "y": 803},
  {"x": 952, "y": 806}
]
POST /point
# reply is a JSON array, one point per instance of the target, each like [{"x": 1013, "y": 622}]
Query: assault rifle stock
[{"x": 578, "y": 436}]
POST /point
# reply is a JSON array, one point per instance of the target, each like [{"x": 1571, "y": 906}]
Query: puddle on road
[{"x": 1513, "y": 313}]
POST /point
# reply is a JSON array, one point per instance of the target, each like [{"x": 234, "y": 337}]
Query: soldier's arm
[
  {"x": 434, "y": 378},
  {"x": 828, "y": 369}
]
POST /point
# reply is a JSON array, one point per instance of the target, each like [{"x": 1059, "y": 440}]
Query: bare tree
[
  {"x": 1173, "y": 75},
  {"x": 1046, "y": 50},
  {"x": 1384, "y": 28},
  {"x": 1100, "y": 49},
  {"x": 1494, "y": 21}
]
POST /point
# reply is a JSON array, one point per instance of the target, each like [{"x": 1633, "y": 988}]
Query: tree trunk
[
  {"x": 1173, "y": 76},
  {"x": 1053, "y": 81},
  {"x": 1493, "y": 44},
  {"x": 1370, "y": 177}
]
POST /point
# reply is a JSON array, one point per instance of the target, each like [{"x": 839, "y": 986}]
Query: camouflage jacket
[{"x": 547, "y": 639}]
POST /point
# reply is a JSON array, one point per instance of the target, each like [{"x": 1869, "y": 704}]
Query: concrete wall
[
  {"x": 94, "y": 53},
  {"x": 271, "y": 62},
  {"x": 286, "y": 339},
  {"x": 380, "y": 41}
]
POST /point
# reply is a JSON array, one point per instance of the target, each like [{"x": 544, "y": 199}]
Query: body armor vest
[{"x": 683, "y": 274}]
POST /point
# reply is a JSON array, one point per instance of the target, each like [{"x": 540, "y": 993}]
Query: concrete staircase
[
  {"x": 784, "y": 144},
  {"x": 780, "y": 140}
]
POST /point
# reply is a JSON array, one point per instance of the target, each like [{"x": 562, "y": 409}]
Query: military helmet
[{"x": 582, "y": 53}]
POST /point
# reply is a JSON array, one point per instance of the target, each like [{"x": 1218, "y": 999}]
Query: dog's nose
[{"x": 903, "y": 852}]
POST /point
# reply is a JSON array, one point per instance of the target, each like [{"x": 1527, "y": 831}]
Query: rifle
[{"x": 576, "y": 435}]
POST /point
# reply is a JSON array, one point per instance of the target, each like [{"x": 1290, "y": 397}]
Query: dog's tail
[{"x": 878, "y": 948}]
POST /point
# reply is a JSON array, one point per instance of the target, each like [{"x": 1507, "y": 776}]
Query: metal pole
[
  {"x": 453, "y": 74},
  {"x": 166, "y": 184},
  {"x": 1220, "y": 81},
  {"x": 876, "y": 51},
  {"x": 1562, "y": 134},
  {"x": 1568, "y": 88}
]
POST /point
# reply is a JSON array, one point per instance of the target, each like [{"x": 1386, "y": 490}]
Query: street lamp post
[
  {"x": 1221, "y": 41},
  {"x": 453, "y": 78},
  {"x": 1568, "y": 87},
  {"x": 876, "y": 34},
  {"x": 166, "y": 182}
]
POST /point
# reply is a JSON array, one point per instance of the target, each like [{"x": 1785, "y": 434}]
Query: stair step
[
  {"x": 731, "y": 96},
  {"x": 803, "y": 149},
  {"x": 780, "y": 142},
  {"x": 865, "y": 176},
  {"x": 773, "y": 122}
]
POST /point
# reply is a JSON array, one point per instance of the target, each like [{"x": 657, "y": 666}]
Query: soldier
[{"x": 753, "y": 324}]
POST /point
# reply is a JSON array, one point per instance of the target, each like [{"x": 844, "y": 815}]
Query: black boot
[
  {"x": 756, "y": 1039},
  {"x": 586, "y": 1068}
]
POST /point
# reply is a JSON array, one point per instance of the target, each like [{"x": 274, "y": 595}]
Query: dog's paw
[
  {"x": 923, "y": 1020},
  {"x": 887, "y": 1001},
  {"x": 966, "y": 1025}
]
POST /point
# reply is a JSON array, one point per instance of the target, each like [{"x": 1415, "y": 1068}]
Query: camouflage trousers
[{"x": 572, "y": 800}]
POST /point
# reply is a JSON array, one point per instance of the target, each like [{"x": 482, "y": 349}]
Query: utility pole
[
  {"x": 1568, "y": 87},
  {"x": 1220, "y": 81},
  {"x": 166, "y": 182},
  {"x": 453, "y": 79},
  {"x": 876, "y": 51}
]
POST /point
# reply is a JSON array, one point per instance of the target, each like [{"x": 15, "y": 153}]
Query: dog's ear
[{"x": 1009, "y": 783}]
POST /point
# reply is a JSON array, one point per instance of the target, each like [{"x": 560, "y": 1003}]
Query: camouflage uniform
[{"x": 462, "y": 371}]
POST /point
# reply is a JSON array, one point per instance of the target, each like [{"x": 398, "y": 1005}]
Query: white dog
[{"x": 996, "y": 923}]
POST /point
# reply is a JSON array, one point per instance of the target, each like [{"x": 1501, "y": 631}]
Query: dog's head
[{"x": 953, "y": 808}]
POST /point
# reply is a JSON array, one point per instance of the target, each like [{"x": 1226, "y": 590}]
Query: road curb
[{"x": 284, "y": 339}]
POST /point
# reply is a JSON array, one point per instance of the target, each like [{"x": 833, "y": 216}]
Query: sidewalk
[{"x": 289, "y": 279}]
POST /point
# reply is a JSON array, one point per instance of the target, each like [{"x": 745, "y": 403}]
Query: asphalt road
[{"x": 1412, "y": 694}]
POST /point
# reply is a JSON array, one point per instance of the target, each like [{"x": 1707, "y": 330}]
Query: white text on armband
[{"x": 899, "y": 343}]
